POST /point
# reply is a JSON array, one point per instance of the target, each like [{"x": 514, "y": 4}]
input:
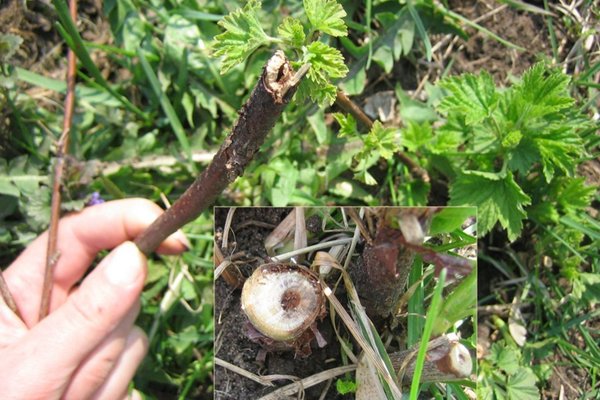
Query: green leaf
[
  {"x": 574, "y": 194},
  {"x": 317, "y": 123},
  {"x": 355, "y": 84},
  {"x": 344, "y": 386},
  {"x": 458, "y": 305},
  {"x": 499, "y": 199},
  {"x": 544, "y": 91},
  {"x": 474, "y": 96},
  {"x": 521, "y": 385},
  {"x": 243, "y": 34},
  {"x": 420, "y": 28},
  {"x": 292, "y": 31},
  {"x": 9, "y": 44},
  {"x": 512, "y": 139},
  {"x": 504, "y": 357},
  {"x": 450, "y": 219},
  {"x": 347, "y": 125},
  {"x": 326, "y": 16},
  {"x": 587, "y": 288},
  {"x": 381, "y": 140},
  {"x": 416, "y": 135},
  {"x": 326, "y": 63},
  {"x": 182, "y": 39},
  {"x": 322, "y": 93},
  {"x": 560, "y": 149}
]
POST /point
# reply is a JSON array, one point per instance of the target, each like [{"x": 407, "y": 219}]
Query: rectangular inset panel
[{"x": 324, "y": 299}]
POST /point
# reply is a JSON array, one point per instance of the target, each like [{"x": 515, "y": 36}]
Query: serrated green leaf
[
  {"x": 543, "y": 213},
  {"x": 325, "y": 62},
  {"x": 381, "y": 140},
  {"x": 560, "y": 149},
  {"x": 474, "y": 96},
  {"x": 326, "y": 16},
  {"x": 512, "y": 139},
  {"x": 522, "y": 157},
  {"x": 243, "y": 34},
  {"x": 499, "y": 199},
  {"x": 574, "y": 194},
  {"x": 322, "y": 93},
  {"x": 292, "y": 31},
  {"x": 521, "y": 385},
  {"x": 543, "y": 90},
  {"x": 347, "y": 124},
  {"x": 416, "y": 135}
]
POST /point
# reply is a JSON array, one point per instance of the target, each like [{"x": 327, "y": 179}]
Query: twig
[
  {"x": 52, "y": 253},
  {"x": 273, "y": 91},
  {"x": 7, "y": 296},
  {"x": 350, "y": 107},
  {"x": 305, "y": 383}
]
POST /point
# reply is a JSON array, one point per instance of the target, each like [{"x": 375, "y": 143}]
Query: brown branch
[
  {"x": 52, "y": 254},
  {"x": 257, "y": 117},
  {"x": 352, "y": 108}
]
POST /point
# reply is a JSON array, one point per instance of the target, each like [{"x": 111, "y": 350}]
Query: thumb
[{"x": 60, "y": 342}]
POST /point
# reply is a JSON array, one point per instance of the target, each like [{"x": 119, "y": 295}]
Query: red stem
[{"x": 52, "y": 254}]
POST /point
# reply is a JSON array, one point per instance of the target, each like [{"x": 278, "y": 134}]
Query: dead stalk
[{"x": 52, "y": 253}]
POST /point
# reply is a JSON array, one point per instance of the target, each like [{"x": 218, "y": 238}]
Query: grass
[{"x": 153, "y": 95}]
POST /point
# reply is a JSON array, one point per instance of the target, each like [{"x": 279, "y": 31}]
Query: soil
[{"x": 480, "y": 52}]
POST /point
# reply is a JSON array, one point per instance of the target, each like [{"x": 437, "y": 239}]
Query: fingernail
[
  {"x": 181, "y": 238},
  {"x": 124, "y": 266}
]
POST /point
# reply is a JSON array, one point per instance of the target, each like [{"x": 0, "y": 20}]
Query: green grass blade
[
  {"x": 196, "y": 15},
  {"x": 521, "y": 5},
  {"x": 593, "y": 234},
  {"x": 459, "y": 304},
  {"x": 590, "y": 72},
  {"x": 26, "y": 136},
  {"x": 551, "y": 33},
  {"x": 69, "y": 32},
  {"x": 416, "y": 309},
  {"x": 420, "y": 28},
  {"x": 432, "y": 313},
  {"x": 166, "y": 105},
  {"x": 93, "y": 95}
]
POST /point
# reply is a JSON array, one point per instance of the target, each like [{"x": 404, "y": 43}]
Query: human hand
[{"x": 88, "y": 346}]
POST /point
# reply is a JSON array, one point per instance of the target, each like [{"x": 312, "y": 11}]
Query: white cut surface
[{"x": 262, "y": 302}]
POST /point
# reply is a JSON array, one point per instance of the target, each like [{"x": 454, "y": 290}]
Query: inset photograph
[{"x": 345, "y": 302}]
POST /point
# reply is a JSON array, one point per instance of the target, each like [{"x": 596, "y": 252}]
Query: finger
[
  {"x": 117, "y": 383},
  {"x": 80, "y": 237},
  {"x": 12, "y": 328},
  {"x": 96, "y": 368},
  {"x": 56, "y": 346}
]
